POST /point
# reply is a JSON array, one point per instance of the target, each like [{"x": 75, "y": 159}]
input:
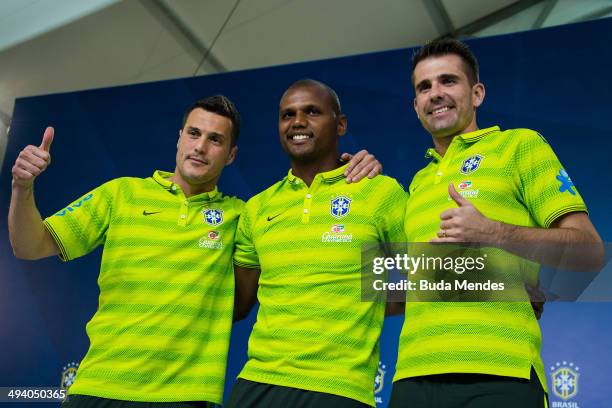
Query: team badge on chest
[
  {"x": 340, "y": 206},
  {"x": 213, "y": 216},
  {"x": 470, "y": 164}
]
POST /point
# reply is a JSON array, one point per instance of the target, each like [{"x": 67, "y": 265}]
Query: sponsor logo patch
[
  {"x": 337, "y": 228},
  {"x": 566, "y": 182},
  {"x": 464, "y": 185},
  {"x": 212, "y": 240},
  {"x": 337, "y": 234},
  {"x": 75, "y": 205}
]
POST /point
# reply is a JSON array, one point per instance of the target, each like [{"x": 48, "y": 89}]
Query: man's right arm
[
  {"x": 247, "y": 282},
  {"x": 28, "y": 235}
]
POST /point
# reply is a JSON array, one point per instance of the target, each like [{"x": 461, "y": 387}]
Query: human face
[
  {"x": 307, "y": 124},
  {"x": 445, "y": 102},
  {"x": 203, "y": 149}
]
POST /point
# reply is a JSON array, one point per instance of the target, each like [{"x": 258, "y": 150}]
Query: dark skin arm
[{"x": 247, "y": 282}]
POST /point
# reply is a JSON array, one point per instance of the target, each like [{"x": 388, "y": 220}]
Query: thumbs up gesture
[
  {"x": 465, "y": 223},
  {"x": 32, "y": 161}
]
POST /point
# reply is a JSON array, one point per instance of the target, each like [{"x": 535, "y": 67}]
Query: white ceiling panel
[
  {"x": 463, "y": 12},
  {"x": 522, "y": 21},
  {"x": 316, "y": 29},
  {"x": 117, "y": 45},
  {"x": 21, "y": 20},
  {"x": 570, "y": 10}
]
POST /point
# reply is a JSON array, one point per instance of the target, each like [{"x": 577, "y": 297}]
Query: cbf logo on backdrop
[
  {"x": 564, "y": 384},
  {"x": 213, "y": 216},
  {"x": 340, "y": 206},
  {"x": 68, "y": 375},
  {"x": 379, "y": 382}
]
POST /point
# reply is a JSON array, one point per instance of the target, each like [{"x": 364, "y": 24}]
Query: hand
[
  {"x": 465, "y": 223},
  {"x": 32, "y": 161},
  {"x": 360, "y": 165},
  {"x": 537, "y": 299}
]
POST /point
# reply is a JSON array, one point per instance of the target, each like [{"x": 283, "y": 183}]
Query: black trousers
[
  {"x": 468, "y": 391},
  {"x": 88, "y": 401},
  {"x": 250, "y": 394}
]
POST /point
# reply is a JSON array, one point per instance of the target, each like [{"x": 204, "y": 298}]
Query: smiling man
[
  {"x": 298, "y": 249},
  {"x": 161, "y": 332},
  {"x": 468, "y": 354}
]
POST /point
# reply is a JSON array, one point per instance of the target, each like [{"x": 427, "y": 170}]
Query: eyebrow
[
  {"x": 221, "y": 135},
  {"x": 449, "y": 76},
  {"x": 301, "y": 107},
  {"x": 439, "y": 77}
]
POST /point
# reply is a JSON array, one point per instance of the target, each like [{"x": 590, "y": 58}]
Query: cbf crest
[
  {"x": 68, "y": 375},
  {"x": 213, "y": 216},
  {"x": 564, "y": 380},
  {"x": 379, "y": 382},
  {"x": 470, "y": 164},
  {"x": 340, "y": 206}
]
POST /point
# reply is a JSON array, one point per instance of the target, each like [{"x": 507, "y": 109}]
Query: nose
[
  {"x": 436, "y": 92},
  {"x": 201, "y": 145},
  {"x": 299, "y": 120}
]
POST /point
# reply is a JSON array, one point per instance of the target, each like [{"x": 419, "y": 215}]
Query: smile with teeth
[
  {"x": 440, "y": 110},
  {"x": 299, "y": 137}
]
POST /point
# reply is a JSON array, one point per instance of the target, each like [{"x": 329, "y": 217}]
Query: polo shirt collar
[
  {"x": 478, "y": 134},
  {"x": 471, "y": 137},
  {"x": 329, "y": 176},
  {"x": 163, "y": 179}
]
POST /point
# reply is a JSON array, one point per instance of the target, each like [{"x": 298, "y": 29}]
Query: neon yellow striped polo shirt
[
  {"x": 313, "y": 332},
  {"x": 162, "y": 328},
  {"x": 513, "y": 177}
]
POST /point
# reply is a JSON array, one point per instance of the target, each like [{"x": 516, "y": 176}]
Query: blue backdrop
[{"x": 553, "y": 80}]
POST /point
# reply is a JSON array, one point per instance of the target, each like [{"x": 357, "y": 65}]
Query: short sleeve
[
  {"x": 245, "y": 254},
  {"x": 545, "y": 186},
  {"x": 81, "y": 226},
  {"x": 391, "y": 212}
]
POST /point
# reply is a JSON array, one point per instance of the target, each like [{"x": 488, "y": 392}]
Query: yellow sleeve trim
[
  {"x": 63, "y": 255},
  {"x": 553, "y": 217}
]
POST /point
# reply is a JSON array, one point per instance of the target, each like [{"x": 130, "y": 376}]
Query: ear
[
  {"x": 342, "y": 124},
  {"x": 414, "y": 104},
  {"x": 232, "y": 155},
  {"x": 478, "y": 94},
  {"x": 179, "y": 138}
]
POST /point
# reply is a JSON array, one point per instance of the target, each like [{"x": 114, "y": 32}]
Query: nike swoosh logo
[
  {"x": 271, "y": 218},
  {"x": 144, "y": 212}
]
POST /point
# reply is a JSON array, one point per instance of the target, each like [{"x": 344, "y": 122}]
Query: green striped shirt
[
  {"x": 511, "y": 176},
  {"x": 162, "y": 328},
  {"x": 312, "y": 330}
]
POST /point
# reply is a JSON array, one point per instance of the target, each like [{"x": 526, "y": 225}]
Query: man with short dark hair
[
  {"x": 484, "y": 186},
  {"x": 162, "y": 329},
  {"x": 315, "y": 343}
]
